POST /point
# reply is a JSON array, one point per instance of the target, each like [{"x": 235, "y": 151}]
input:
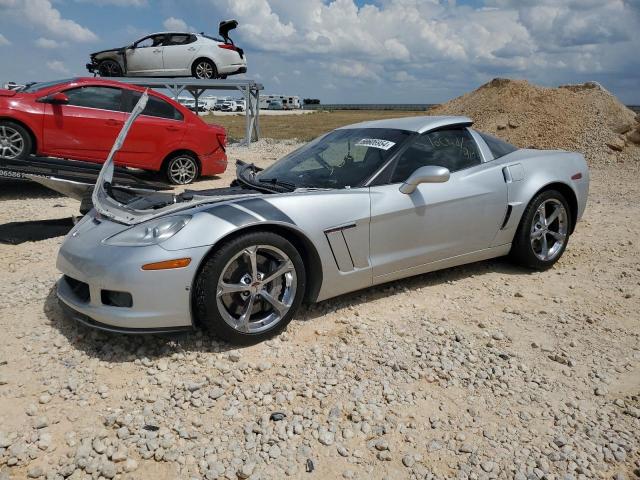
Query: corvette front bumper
[{"x": 105, "y": 287}]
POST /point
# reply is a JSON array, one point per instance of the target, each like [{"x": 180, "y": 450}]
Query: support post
[
  {"x": 248, "y": 116},
  {"x": 256, "y": 115},
  {"x": 249, "y": 89}
]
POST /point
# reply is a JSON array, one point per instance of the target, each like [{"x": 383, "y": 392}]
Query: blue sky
[{"x": 413, "y": 51}]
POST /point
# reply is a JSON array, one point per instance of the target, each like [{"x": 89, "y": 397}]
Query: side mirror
[
  {"x": 427, "y": 174},
  {"x": 55, "y": 99}
]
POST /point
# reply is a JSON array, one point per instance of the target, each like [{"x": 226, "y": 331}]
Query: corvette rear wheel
[
  {"x": 109, "y": 68},
  {"x": 15, "y": 141},
  {"x": 250, "y": 288},
  {"x": 543, "y": 232}
]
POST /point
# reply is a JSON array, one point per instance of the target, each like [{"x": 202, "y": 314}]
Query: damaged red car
[{"x": 80, "y": 118}]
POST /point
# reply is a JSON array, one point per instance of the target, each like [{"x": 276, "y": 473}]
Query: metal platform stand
[{"x": 196, "y": 87}]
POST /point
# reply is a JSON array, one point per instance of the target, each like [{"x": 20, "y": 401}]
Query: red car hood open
[{"x": 7, "y": 93}]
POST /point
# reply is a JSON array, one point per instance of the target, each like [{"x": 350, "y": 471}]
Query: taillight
[
  {"x": 222, "y": 139},
  {"x": 228, "y": 46}
]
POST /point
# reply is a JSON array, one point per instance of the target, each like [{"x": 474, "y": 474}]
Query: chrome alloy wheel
[
  {"x": 204, "y": 70},
  {"x": 549, "y": 229},
  {"x": 183, "y": 170},
  {"x": 256, "y": 288},
  {"x": 11, "y": 142}
]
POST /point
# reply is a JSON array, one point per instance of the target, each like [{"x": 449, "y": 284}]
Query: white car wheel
[{"x": 205, "y": 70}]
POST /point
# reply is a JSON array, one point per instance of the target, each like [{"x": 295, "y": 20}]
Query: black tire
[
  {"x": 186, "y": 175},
  {"x": 15, "y": 140},
  {"x": 523, "y": 250},
  {"x": 109, "y": 68},
  {"x": 206, "y": 304},
  {"x": 204, "y": 69}
]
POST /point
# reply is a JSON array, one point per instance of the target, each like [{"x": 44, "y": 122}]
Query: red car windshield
[{"x": 34, "y": 87}]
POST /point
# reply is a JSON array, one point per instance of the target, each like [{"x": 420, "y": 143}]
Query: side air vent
[
  {"x": 340, "y": 249},
  {"x": 507, "y": 216}
]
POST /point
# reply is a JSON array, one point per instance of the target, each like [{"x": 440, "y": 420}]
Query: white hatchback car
[{"x": 174, "y": 54}]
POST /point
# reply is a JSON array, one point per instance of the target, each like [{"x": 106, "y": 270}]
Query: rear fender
[{"x": 531, "y": 171}]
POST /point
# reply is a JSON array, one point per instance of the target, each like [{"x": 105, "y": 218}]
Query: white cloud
[
  {"x": 119, "y": 3},
  {"x": 4, "y": 40},
  {"x": 356, "y": 70},
  {"x": 47, "y": 43},
  {"x": 403, "y": 76},
  {"x": 411, "y": 39},
  {"x": 176, "y": 24},
  {"x": 42, "y": 15},
  {"x": 57, "y": 66}
]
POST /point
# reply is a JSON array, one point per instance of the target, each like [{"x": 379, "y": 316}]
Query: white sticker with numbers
[{"x": 376, "y": 143}]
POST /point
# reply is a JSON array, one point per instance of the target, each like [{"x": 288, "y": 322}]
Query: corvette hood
[{"x": 143, "y": 208}]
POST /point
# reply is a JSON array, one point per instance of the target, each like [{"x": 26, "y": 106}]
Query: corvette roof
[{"x": 419, "y": 124}]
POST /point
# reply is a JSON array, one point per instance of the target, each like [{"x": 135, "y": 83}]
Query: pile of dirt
[{"x": 585, "y": 118}]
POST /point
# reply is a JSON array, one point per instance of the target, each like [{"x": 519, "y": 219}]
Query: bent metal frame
[{"x": 196, "y": 87}]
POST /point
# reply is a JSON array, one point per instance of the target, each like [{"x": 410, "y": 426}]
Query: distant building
[{"x": 289, "y": 102}]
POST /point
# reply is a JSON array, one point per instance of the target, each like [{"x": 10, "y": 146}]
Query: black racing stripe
[
  {"x": 232, "y": 215},
  {"x": 266, "y": 210}
]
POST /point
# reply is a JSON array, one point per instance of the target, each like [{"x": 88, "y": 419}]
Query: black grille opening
[
  {"x": 79, "y": 289},
  {"x": 116, "y": 299}
]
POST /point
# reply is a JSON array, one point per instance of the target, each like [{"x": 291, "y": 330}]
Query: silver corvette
[{"x": 361, "y": 205}]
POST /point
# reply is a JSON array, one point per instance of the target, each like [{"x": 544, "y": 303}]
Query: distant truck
[{"x": 289, "y": 102}]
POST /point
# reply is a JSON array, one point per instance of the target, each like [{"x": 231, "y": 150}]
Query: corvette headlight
[{"x": 149, "y": 233}]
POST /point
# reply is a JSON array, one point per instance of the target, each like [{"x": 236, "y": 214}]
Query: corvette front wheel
[{"x": 250, "y": 288}]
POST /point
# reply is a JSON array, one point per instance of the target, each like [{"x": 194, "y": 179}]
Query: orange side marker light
[{"x": 168, "y": 264}]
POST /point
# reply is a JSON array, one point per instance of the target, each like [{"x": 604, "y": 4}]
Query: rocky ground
[{"x": 482, "y": 371}]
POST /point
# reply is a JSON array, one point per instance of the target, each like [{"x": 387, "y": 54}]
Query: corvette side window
[
  {"x": 104, "y": 98},
  {"x": 454, "y": 149}
]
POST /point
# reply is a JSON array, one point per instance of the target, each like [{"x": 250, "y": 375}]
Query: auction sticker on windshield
[{"x": 376, "y": 143}]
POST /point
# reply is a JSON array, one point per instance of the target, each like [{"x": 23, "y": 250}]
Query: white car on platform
[{"x": 174, "y": 54}]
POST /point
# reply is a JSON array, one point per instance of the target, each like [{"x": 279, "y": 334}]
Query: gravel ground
[{"x": 482, "y": 371}]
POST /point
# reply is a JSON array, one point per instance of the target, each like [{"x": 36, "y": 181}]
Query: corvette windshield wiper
[
  {"x": 246, "y": 174},
  {"x": 280, "y": 183}
]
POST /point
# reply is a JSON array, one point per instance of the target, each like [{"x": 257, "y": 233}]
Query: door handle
[
  {"x": 113, "y": 123},
  {"x": 157, "y": 51},
  {"x": 191, "y": 49},
  {"x": 172, "y": 129}
]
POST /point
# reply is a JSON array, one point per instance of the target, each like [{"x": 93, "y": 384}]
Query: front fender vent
[{"x": 349, "y": 246}]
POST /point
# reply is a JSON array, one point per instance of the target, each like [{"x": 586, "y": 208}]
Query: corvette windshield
[{"x": 340, "y": 159}]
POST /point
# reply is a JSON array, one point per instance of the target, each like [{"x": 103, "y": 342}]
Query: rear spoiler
[{"x": 225, "y": 27}]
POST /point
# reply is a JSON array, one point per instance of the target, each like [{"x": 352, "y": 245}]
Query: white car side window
[{"x": 146, "y": 43}]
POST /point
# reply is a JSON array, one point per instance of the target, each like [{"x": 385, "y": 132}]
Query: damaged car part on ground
[
  {"x": 362, "y": 205},
  {"x": 174, "y": 54}
]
